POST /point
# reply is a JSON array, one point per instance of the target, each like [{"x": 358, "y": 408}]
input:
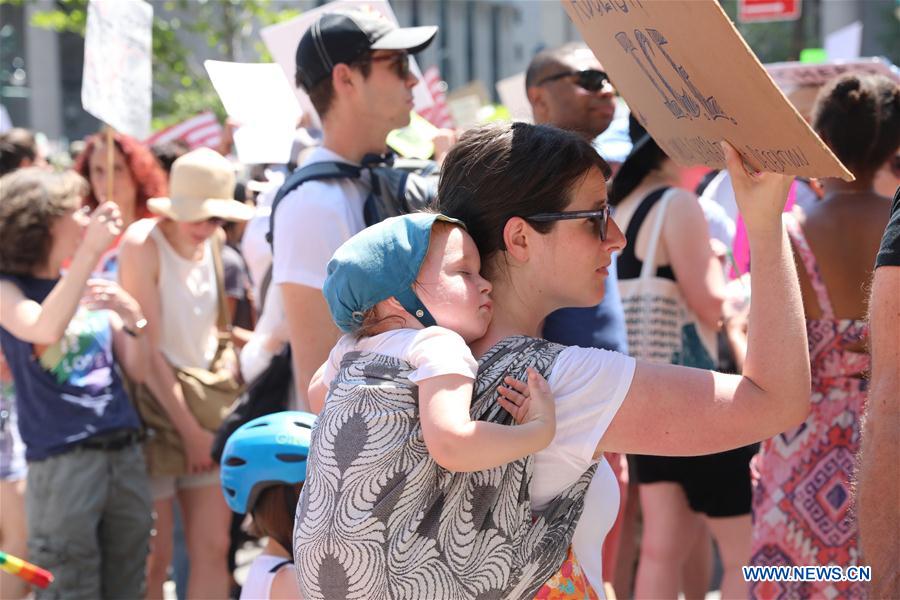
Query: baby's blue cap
[{"x": 379, "y": 262}]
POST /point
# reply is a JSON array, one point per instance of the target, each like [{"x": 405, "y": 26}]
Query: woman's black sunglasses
[
  {"x": 591, "y": 80},
  {"x": 600, "y": 218}
]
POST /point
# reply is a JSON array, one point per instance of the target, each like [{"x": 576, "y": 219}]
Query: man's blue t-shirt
[
  {"x": 71, "y": 390},
  {"x": 601, "y": 326}
]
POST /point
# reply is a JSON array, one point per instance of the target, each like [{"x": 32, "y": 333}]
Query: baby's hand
[{"x": 531, "y": 402}]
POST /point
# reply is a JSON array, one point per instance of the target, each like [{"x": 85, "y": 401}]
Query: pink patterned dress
[{"x": 802, "y": 513}]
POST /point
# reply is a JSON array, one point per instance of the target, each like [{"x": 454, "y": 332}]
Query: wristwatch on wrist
[{"x": 135, "y": 331}]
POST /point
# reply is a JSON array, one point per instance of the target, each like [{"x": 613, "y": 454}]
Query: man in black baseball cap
[{"x": 355, "y": 67}]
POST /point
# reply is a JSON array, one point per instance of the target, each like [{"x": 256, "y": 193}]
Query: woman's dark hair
[
  {"x": 273, "y": 514},
  {"x": 645, "y": 156},
  {"x": 31, "y": 201},
  {"x": 149, "y": 177},
  {"x": 16, "y": 146},
  {"x": 504, "y": 170},
  {"x": 858, "y": 116}
]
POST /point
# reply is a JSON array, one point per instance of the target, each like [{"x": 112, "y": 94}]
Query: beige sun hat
[{"x": 201, "y": 187}]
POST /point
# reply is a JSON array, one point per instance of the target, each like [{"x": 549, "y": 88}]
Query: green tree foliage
[{"x": 181, "y": 87}]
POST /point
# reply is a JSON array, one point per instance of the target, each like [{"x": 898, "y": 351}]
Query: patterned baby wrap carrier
[{"x": 379, "y": 518}]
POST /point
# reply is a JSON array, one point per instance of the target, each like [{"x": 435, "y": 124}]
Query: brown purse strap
[{"x": 224, "y": 320}]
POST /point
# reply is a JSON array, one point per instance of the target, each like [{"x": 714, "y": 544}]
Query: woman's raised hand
[
  {"x": 104, "y": 227},
  {"x": 760, "y": 196}
]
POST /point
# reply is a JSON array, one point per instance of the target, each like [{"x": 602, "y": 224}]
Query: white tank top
[
  {"x": 188, "y": 305},
  {"x": 262, "y": 572}
]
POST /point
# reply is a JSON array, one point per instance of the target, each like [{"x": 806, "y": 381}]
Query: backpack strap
[{"x": 312, "y": 172}]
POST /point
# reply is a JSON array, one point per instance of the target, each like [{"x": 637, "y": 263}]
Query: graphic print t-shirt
[{"x": 70, "y": 390}]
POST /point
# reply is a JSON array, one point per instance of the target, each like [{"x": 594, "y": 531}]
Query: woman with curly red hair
[{"x": 137, "y": 176}]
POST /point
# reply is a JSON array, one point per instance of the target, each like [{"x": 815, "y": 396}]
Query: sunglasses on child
[
  {"x": 591, "y": 80},
  {"x": 599, "y": 218}
]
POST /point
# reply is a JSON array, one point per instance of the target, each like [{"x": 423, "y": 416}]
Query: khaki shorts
[
  {"x": 163, "y": 487},
  {"x": 89, "y": 520}
]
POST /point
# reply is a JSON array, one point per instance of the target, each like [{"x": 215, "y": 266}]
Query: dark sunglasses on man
[
  {"x": 599, "y": 218},
  {"x": 591, "y": 80},
  {"x": 399, "y": 62}
]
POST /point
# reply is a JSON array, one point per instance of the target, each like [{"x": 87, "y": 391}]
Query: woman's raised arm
[{"x": 678, "y": 411}]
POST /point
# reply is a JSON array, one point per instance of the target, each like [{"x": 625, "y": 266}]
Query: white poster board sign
[
  {"x": 282, "y": 40},
  {"x": 692, "y": 81},
  {"x": 117, "y": 80},
  {"x": 259, "y": 99},
  {"x": 514, "y": 97},
  {"x": 845, "y": 43}
]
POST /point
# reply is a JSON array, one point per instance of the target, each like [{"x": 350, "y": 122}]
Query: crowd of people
[{"x": 525, "y": 371}]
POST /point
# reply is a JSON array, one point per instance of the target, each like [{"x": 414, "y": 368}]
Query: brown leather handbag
[{"x": 208, "y": 394}]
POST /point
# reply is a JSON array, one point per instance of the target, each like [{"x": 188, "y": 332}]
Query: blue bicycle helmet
[{"x": 269, "y": 450}]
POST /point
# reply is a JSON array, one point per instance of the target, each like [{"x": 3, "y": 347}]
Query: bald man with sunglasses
[{"x": 567, "y": 87}]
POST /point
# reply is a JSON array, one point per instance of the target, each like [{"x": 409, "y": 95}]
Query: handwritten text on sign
[
  {"x": 117, "y": 83},
  {"x": 691, "y": 81}
]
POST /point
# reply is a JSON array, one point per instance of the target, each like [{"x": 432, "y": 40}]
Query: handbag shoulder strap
[
  {"x": 648, "y": 269},
  {"x": 627, "y": 264},
  {"x": 217, "y": 243}
]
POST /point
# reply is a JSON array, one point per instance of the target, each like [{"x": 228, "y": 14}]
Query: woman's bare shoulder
[{"x": 138, "y": 236}]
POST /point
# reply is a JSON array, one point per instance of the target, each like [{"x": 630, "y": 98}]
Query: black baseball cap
[{"x": 342, "y": 37}]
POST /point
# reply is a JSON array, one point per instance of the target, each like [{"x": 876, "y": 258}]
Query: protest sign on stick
[
  {"x": 117, "y": 81},
  {"x": 691, "y": 80},
  {"x": 282, "y": 39},
  {"x": 259, "y": 99}
]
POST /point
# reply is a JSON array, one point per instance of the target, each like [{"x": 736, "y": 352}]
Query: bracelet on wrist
[{"x": 137, "y": 329}]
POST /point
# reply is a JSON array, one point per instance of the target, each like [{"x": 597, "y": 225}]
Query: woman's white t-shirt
[
  {"x": 588, "y": 386},
  {"x": 601, "y": 507}
]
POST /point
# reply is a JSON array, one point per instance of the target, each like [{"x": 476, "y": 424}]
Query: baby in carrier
[{"x": 406, "y": 494}]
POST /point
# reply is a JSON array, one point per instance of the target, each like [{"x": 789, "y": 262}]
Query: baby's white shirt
[{"x": 432, "y": 352}]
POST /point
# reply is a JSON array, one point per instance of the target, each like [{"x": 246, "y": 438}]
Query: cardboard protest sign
[
  {"x": 259, "y": 99},
  {"x": 691, "y": 80},
  {"x": 474, "y": 88},
  {"x": 464, "y": 110},
  {"x": 282, "y": 40},
  {"x": 117, "y": 80},
  {"x": 513, "y": 96},
  {"x": 464, "y": 103}
]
